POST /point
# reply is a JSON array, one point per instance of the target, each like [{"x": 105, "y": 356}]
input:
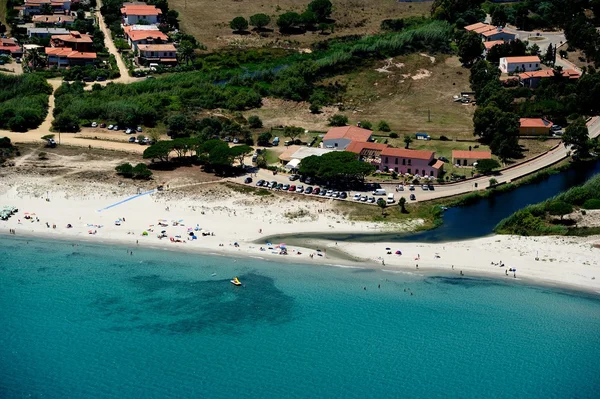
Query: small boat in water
[{"x": 235, "y": 281}]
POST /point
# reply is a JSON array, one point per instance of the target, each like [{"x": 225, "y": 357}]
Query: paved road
[{"x": 505, "y": 176}]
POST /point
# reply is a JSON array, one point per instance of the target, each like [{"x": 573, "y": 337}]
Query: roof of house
[
  {"x": 352, "y": 133},
  {"x": 73, "y": 37},
  {"x": 136, "y": 35},
  {"x": 535, "y": 122},
  {"x": 438, "y": 164},
  {"x": 465, "y": 154},
  {"x": 143, "y": 10},
  {"x": 157, "y": 47},
  {"x": 492, "y": 43},
  {"x": 36, "y": 2},
  {"x": 51, "y": 31},
  {"x": 286, "y": 155},
  {"x": 8, "y": 42},
  {"x": 406, "y": 153},
  {"x": 69, "y": 53},
  {"x": 358, "y": 147},
  {"x": 475, "y": 26},
  {"x": 487, "y": 28},
  {"x": 548, "y": 73},
  {"x": 524, "y": 59},
  {"x": 52, "y": 19},
  {"x": 492, "y": 32},
  {"x": 129, "y": 28}
]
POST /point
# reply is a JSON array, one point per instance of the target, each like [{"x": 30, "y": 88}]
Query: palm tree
[
  {"x": 35, "y": 59},
  {"x": 186, "y": 51},
  {"x": 402, "y": 204},
  {"x": 407, "y": 141},
  {"x": 381, "y": 203}
]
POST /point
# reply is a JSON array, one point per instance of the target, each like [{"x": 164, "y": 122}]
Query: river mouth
[{"x": 467, "y": 222}]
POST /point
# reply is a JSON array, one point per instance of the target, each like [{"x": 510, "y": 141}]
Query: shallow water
[{"x": 93, "y": 321}]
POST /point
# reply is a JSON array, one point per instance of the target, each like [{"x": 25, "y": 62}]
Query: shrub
[
  {"x": 125, "y": 169},
  {"x": 393, "y": 135},
  {"x": 338, "y": 120},
  {"x": 366, "y": 125},
  {"x": 314, "y": 108},
  {"x": 593, "y": 203},
  {"x": 238, "y": 24},
  {"x": 383, "y": 126},
  {"x": 444, "y": 138},
  {"x": 141, "y": 171},
  {"x": 254, "y": 122},
  {"x": 559, "y": 208}
]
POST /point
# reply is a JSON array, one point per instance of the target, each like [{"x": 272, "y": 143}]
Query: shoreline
[{"x": 227, "y": 217}]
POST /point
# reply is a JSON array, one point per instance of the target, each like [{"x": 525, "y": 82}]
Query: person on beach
[{"x": 417, "y": 266}]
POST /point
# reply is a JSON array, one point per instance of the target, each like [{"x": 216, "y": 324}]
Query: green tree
[
  {"x": 254, "y": 122},
  {"x": 308, "y": 19},
  {"x": 366, "y": 125},
  {"x": 338, "y": 120},
  {"x": 186, "y": 51},
  {"x": 160, "y": 150},
  {"x": 293, "y": 132},
  {"x": 259, "y": 21},
  {"x": 65, "y": 123},
  {"x": 577, "y": 136},
  {"x": 46, "y": 9},
  {"x": 125, "y": 169},
  {"x": 238, "y": 24},
  {"x": 550, "y": 55},
  {"x": 393, "y": 135},
  {"x": 534, "y": 49},
  {"x": 402, "y": 204},
  {"x": 407, "y": 141},
  {"x": 264, "y": 139},
  {"x": 17, "y": 124},
  {"x": 470, "y": 48},
  {"x": 559, "y": 208},
  {"x": 485, "y": 166},
  {"x": 381, "y": 203},
  {"x": 141, "y": 171},
  {"x": 35, "y": 59},
  {"x": 321, "y": 8},
  {"x": 499, "y": 16},
  {"x": 383, "y": 126},
  {"x": 288, "y": 20},
  {"x": 239, "y": 152}
]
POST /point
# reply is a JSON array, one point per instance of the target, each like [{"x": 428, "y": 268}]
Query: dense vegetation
[
  {"x": 23, "y": 101},
  {"x": 540, "y": 219},
  {"x": 7, "y": 149},
  {"x": 338, "y": 169},
  {"x": 227, "y": 81}
]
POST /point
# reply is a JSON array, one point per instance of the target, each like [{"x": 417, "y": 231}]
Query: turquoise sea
[{"x": 93, "y": 321}]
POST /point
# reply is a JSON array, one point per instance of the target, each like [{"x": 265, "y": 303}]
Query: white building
[
  {"x": 520, "y": 64},
  {"x": 134, "y": 13}
]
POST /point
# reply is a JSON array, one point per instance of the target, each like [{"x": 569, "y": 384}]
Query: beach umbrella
[
  {"x": 145, "y": 233},
  {"x": 282, "y": 245},
  {"x": 164, "y": 231},
  {"x": 388, "y": 249},
  {"x": 398, "y": 252}
]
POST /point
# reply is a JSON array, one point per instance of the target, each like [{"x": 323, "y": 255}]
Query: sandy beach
[{"x": 233, "y": 224}]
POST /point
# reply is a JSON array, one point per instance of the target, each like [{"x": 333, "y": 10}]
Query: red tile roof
[
  {"x": 52, "y": 19},
  {"x": 475, "y": 26},
  {"x": 136, "y": 35},
  {"x": 438, "y": 164},
  {"x": 140, "y": 10},
  {"x": 68, "y": 53},
  {"x": 463, "y": 154},
  {"x": 404, "y": 153},
  {"x": 352, "y": 133},
  {"x": 358, "y": 146},
  {"x": 73, "y": 37},
  {"x": 535, "y": 122},
  {"x": 157, "y": 47},
  {"x": 492, "y": 32},
  {"x": 548, "y": 73},
  {"x": 490, "y": 44},
  {"x": 525, "y": 59}
]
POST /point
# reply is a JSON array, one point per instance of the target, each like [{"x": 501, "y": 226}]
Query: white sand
[{"x": 235, "y": 217}]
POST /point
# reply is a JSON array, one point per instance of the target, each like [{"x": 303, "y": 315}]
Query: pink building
[{"x": 414, "y": 162}]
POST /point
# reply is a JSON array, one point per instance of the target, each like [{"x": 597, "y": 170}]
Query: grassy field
[
  {"x": 208, "y": 20},
  {"x": 3, "y": 11},
  {"x": 413, "y": 94}
]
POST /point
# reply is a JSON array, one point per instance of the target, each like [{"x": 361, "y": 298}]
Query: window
[
  {"x": 409, "y": 162},
  {"x": 403, "y": 161},
  {"x": 409, "y": 171},
  {"x": 335, "y": 145},
  {"x": 423, "y": 172},
  {"x": 465, "y": 162},
  {"x": 396, "y": 161},
  {"x": 396, "y": 169},
  {"x": 431, "y": 173},
  {"x": 386, "y": 160}
]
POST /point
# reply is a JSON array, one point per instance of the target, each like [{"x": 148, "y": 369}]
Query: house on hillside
[
  {"x": 52, "y": 20},
  {"x": 165, "y": 54},
  {"x": 488, "y": 45},
  {"x": 520, "y": 64},
  {"x": 414, "y": 162},
  {"x": 34, "y": 7},
  {"x": 367, "y": 151},
  {"x": 533, "y": 79},
  {"x": 11, "y": 47},
  {"x": 134, "y": 13},
  {"x": 46, "y": 32},
  {"x": 136, "y": 36},
  {"x": 73, "y": 40},
  {"x": 468, "y": 158},
  {"x": 339, "y": 138},
  {"x": 489, "y": 32},
  {"x": 534, "y": 127},
  {"x": 64, "y": 57}
]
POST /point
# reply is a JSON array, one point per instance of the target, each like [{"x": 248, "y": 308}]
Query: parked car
[
  {"x": 293, "y": 177},
  {"x": 556, "y": 128},
  {"x": 309, "y": 180},
  {"x": 285, "y": 187},
  {"x": 431, "y": 187},
  {"x": 443, "y": 159},
  {"x": 139, "y": 129},
  {"x": 103, "y": 125},
  {"x": 266, "y": 184},
  {"x": 235, "y": 141},
  {"x": 413, "y": 197},
  {"x": 300, "y": 189},
  {"x": 87, "y": 79},
  {"x": 115, "y": 127},
  {"x": 363, "y": 198},
  {"x": 371, "y": 200},
  {"x": 308, "y": 190},
  {"x": 100, "y": 79},
  {"x": 412, "y": 188},
  {"x": 343, "y": 195},
  {"x": 316, "y": 191},
  {"x": 94, "y": 124},
  {"x": 329, "y": 193},
  {"x": 303, "y": 179},
  {"x": 132, "y": 139},
  {"x": 356, "y": 197},
  {"x": 292, "y": 188},
  {"x": 260, "y": 183},
  {"x": 335, "y": 194},
  {"x": 248, "y": 180},
  {"x": 323, "y": 192},
  {"x": 129, "y": 131},
  {"x": 425, "y": 187},
  {"x": 110, "y": 127},
  {"x": 279, "y": 186}
]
